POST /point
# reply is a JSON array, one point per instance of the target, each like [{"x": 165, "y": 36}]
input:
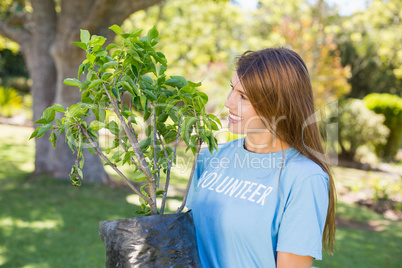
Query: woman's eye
[{"x": 243, "y": 97}]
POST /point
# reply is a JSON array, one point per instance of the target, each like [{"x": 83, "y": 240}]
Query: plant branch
[
  {"x": 157, "y": 176},
  {"x": 191, "y": 176},
  {"x": 104, "y": 157},
  {"x": 169, "y": 168},
  {"x": 130, "y": 132}
]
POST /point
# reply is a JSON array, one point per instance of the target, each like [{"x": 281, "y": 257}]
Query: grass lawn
[{"x": 48, "y": 223}]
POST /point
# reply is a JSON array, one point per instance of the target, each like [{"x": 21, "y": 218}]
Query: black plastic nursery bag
[{"x": 153, "y": 241}]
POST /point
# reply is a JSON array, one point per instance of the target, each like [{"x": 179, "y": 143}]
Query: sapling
[{"x": 125, "y": 83}]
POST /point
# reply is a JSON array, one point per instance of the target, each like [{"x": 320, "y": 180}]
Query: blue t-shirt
[{"x": 243, "y": 218}]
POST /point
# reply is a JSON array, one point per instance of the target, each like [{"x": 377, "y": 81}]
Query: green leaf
[
  {"x": 215, "y": 118},
  {"x": 194, "y": 84},
  {"x": 148, "y": 130},
  {"x": 91, "y": 58},
  {"x": 152, "y": 34},
  {"x": 97, "y": 41},
  {"x": 189, "y": 121},
  {"x": 111, "y": 46},
  {"x": 114, "y": 91},
  {"x": 160, "y": 192},
  {"x": 95, "y": 83},
  {"x": 142, "y": 189},
  {"x": 144, "y": 143},
  {"x": 163, "y": 117},
  {"x": 128, "y": 113},
  {"x": 147, "y": 79},
  {"x": 100, "y": 114},
  {"x": 83, "y": 67},
  {"x": 106, "y": 76},
  {"x": 128, "y": 87},
  {"x": 96, "y": 125},
  {"x": 113, "y": 127},
  {"x": 84, "y": 36},
  {"x": 135, "y": 55},
  {"x": 162, "y": 69},
  {"x": 143, "y": 101},
  {"x": 41, "y": 121},
  {"x": 135, "y": 33},
  {"x": 53, "y": 139},
  {"x": 77, "y": 110},
  {"x": 43, "y": 130},
  {"x": 174, "y": 83},
  {"x": 146, "y": 115},
  {"x": 109, "y": 65},
  {"x": 91, "y": 149},
  {"x": 140, "y": 177},
  {"x": 151, "y": 96},
  {"x": 58, "y": 108},
  {"x": 115, "y": 28},
  {"x": 180, "y": 78},
  {"x": 203, "y": 96},
  {"x": 72, "y": 82},
  {"x": 214, "y": 126},
  {"x": 81, "y": 45},
  {"x": 35, "y": 133},
  {"x": 127, "y": 156},
  {"x": 49, "y": 114}
]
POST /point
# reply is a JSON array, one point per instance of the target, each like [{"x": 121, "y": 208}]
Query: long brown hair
[{"x": 277, "y": 83}]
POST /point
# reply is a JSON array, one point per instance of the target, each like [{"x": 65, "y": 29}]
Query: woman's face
[{"x": 242, "y": 117}]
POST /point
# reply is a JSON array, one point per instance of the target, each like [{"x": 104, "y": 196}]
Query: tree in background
[
  {"x": 390, "y": 106},
  {"x": 206, "y": 37},
  {"x": 307, "y": 29},
  {"x": 359, "y": 126},
  {"x": 201, "y": 40},
  {"x": 45, "y": 30},
  {"x": 372, "y": 48}
]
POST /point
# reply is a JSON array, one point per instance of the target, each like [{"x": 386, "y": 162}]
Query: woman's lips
[{"x": 234, "y": 118}]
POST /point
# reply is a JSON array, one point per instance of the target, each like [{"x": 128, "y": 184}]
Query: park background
[{"x": 353, "y": 52}]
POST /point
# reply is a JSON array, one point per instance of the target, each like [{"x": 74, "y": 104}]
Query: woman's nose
[{"x": 229, "y": 100}]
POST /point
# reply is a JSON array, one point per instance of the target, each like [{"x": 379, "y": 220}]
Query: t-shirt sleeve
[{"x": 304, "y": 218}]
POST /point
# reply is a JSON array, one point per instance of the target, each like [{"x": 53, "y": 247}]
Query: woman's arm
[{"x": 289, "y": 260}]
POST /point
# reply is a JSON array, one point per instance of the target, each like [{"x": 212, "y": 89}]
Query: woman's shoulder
[{"x": 299, "y": 168}]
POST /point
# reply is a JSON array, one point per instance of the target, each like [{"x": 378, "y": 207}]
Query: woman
[{"x": 266, "y": 200}]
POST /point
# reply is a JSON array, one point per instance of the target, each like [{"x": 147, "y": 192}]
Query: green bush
[
  {"x": 359, "y": 126},
  {"x": 391, "y": 107}
]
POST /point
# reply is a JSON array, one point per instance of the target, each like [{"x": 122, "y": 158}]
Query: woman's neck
[{"x": 263, "y": 143}]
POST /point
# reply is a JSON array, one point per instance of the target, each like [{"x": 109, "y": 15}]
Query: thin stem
[
  {"x": 104, "y": 157},
  {"x": 191, "y": 176},
  {"x": 169, "y": 167},
  {"x": 157, "y": 176},
  {"x": 130, "y": 132}
]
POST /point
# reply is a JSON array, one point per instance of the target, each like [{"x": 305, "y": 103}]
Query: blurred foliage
[
  {"x": 307, "y": 30},
  {"x": 203, "y": 38},
  {"x": 359, "y": 126},
  {"x": 10, "y": 100},
  {"x": 12, "y": 64},
  {"x": 372, "y": 48},
  {"x": 391, "y": 107}
]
